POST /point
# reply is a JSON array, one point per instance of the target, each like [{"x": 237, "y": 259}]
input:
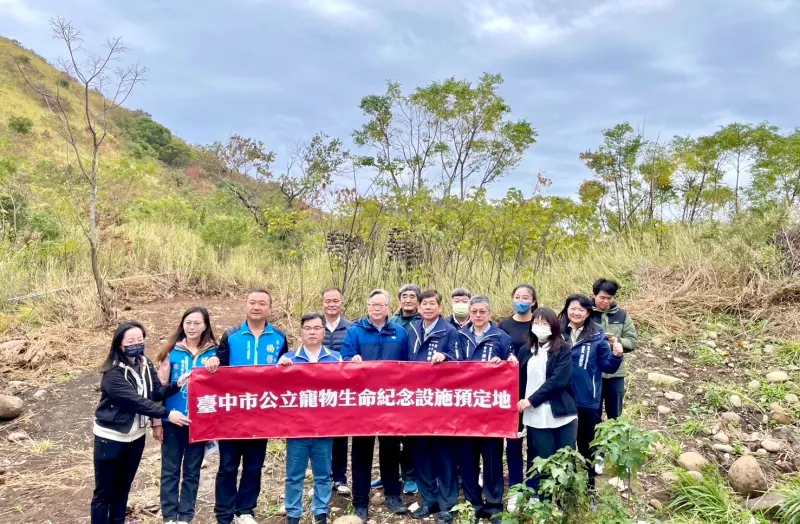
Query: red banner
[{"x": 371, "y": 398}]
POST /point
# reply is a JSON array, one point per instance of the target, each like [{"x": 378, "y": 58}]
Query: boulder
[
  {"x": 14, "y": 346},
  {"x": 664, "y": 380},
  {"x": 768, "y": 504},
  {"x": 730, "y": 416},
  {"x": 348, "y": 519},
  {"x": 746, "y": 476},
  {"x": 39, "y": 394},
  {"x": 736, "y": 401},
  {"x": 17, "y": 436},
  {"x": 722, "y": 438},
  {"x": 10, "y": 407},
  {"x": 774, "y": 377},
  {"x": 771, "y": 445},
  {"x": 692, "y": 461},
  {"x": 673, "y": 395},
  {"x": 696, "y": 475}
]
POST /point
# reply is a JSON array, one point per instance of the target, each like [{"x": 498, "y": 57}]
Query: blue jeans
[
  {"x": 298, "y": 453},
  {"x": 178, "y": 497}
]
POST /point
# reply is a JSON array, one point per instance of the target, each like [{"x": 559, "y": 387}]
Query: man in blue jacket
[
  {"x": 482, "y": 341},
  {"x": 375, "y": 338},
  {"x": 336, "y": 327},
  {"x": 300, "y": 450},
  {"x": 434, "y": 340},
  {"x": 255, "y": 342}
]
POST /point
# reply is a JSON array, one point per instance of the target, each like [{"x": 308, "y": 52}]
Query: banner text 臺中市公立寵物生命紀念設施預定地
[{"x": 466, "y": 399}]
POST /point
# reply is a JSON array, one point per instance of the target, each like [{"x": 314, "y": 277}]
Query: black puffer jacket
[{"x": 120, "y": 401}]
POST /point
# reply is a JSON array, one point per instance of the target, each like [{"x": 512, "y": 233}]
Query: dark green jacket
[
  {"x": 405, "y": 321},
  {"x": 617, "y": 322}
]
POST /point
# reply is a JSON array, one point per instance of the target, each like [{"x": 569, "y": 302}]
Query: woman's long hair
[
  {"x": 555, "y": 340},
  {"x": 205, "y": 339},
  {"x": 116, "y": 353}
]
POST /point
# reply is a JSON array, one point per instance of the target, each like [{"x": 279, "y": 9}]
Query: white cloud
[
  {"x": 343, "y": 11},
  {"x": 519, "y": 21},
  {"x": 20, "y": 11}
]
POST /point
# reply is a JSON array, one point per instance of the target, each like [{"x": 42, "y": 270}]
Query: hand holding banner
[{"x": 349, "y": 399}]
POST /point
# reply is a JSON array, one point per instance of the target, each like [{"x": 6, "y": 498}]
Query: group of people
[{"x": 570, "y": 366}]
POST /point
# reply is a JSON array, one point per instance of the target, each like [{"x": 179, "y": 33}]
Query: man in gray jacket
[{"x": 336, "y": 327}]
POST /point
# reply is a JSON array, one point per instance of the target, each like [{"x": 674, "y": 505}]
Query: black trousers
[
  {"x": 406, "y": 460},
  {"x": 339, "y": 460},
  {"x": 231, "y": 501},
  {"x": 115, "y": 465},
  {"x": 612, "y": 396},
  {"x": 178, "y": 497},
  {"x": 389, "y": 461},
  {"x": 545, "y": 442},
  {"x": 587, "y": 420},
  {"x": 435, "y": 470},
  {"x": 489, "y": 502}
]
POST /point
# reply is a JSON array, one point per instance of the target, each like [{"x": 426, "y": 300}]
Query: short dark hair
[
  {"x": 410, "y": 287},
  {"x": 329, "y": 289},
  {"x": 604, "y": 284},
  {"x": 431, "y": 293},
  {"x": 461, "y": 292},
  {"x": 311, "y": 316},
  {"x": 264, "y": 291}
]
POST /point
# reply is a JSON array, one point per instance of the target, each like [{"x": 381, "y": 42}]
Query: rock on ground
[
  {"x": 664, "y": 380},
  {"x": 17, "y": 436},
  {"x": 347, "y": 519},
  {"x": 736, "y": 401},
  {"x": 692, "y": 461},
  {"x": 769, "y": 504},
  {"x": 10, "y": 407},
  {"x": 722, "y": 438},
  {"x": 724, "y": 448},
  {"x": 746, "y": 476},
  {"x": 730, "y": 416},
  {"x": 771, "y": 446},
  {"x": 777, "y": 376}
]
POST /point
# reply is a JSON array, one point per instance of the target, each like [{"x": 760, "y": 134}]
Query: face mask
[
  {"x": 134, "y": 350},
  {"x": 541, "y": 332},
  {"x": 461, "y": 310},
  {"x": 522, "y": 307}
]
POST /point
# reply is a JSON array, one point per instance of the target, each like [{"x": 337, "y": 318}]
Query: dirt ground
[{"x": 48, "y": 477}]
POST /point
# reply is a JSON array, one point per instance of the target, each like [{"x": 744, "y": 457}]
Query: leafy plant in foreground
[{"x": 624, "y": 448}]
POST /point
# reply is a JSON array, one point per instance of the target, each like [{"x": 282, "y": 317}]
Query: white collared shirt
[
  {"x": 332, "y": 327},
  {"x": 540, "y": 417}
]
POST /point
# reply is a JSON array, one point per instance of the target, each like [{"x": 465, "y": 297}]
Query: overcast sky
[{"x": 280, "y": 70}]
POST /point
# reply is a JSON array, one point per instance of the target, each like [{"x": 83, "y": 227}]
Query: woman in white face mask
[{"x": 548, "y": 405}]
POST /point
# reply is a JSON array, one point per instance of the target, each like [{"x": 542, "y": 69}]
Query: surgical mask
[
  {"x": 522, "y": 307},
  {"x": 541, "y": 332},
  {"x": 134, "y": 350},
  {"x": 460, "y": 309}
]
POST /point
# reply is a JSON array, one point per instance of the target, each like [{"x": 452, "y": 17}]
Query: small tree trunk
[{"x": 94, "y": 252}]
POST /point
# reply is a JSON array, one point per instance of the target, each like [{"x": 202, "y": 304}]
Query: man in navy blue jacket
[
  {"x": 433, "y": 339},
  {"x": 482, "y": 341},
  {"x": 336, "y": 327},
  {"x": 375, "y": 338}
]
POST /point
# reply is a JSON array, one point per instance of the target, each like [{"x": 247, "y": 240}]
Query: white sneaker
[
  {"x": 171, "y": 522},
  {"x": 245, "y": 519},
  {"x": 183, "y": 522},
  {"x": 343, "y": 490}
]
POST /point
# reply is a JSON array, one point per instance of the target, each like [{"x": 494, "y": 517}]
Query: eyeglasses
[
  {"x": 309, "y": 329},
  {"x": 190, "y": 323},
  {"x": 378, "y": 306}
]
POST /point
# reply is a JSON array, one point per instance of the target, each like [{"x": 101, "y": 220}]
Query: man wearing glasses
[
  {"x": 375, "y": 338},
  {"x": 300, "y": 450}
]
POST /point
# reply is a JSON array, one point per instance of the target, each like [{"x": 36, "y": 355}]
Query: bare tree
[{"x": 100, "y": 90}]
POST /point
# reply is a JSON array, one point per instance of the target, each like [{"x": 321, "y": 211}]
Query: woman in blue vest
[{"x": 191, "y": 345}]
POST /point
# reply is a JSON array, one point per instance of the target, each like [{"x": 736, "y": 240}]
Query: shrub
[
  {"x": 225, "y": 232},
  {"x": 624, "y": 447},
  {"x": 20, "y": 124}
]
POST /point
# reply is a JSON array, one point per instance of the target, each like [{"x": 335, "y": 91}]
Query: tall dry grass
[{"x": 669, "y": 278}]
